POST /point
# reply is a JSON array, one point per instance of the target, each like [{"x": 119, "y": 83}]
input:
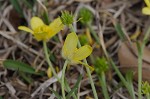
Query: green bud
[
  {"x": 145, "y": 88},
  {"x": 66, "y": 18},
  {"x": 101, "y": 65},
  {"x": 83, "y": 39},
  {"x": 86, "y": 16}
]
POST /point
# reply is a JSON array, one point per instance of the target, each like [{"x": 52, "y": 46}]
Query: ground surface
[{"x": 18, "y": 45}]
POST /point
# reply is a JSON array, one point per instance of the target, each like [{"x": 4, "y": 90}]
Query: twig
[
  {"x": 4, "y": 34},
  {"x": 47, "y": 83}
]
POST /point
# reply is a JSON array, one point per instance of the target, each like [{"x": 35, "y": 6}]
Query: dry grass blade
[
  {"x": 4, "y": 34},
  {"x": 22, "y": 47}
]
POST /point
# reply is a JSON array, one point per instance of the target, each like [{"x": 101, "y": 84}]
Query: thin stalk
[
  {"x": 93, "y": 33},
  {"x": 97, "y": 39},
  {"x": 91, "y": 81},
  {"x": 51, "y": 66},
  {"x": 147, "y": 96},
  {"x": 132, "y": 91},
  {"x": 87, "y": 69},
  {"x": 116, "y": 69},
  {"x": 123, "y": 80},
  {"x": 103, "y": 85},
  {"x": 68, "y": 89},
  {"x": 48, "y": 60},
  {"x": 62, "y": 79},
  {"x": 140, "y": 57}
]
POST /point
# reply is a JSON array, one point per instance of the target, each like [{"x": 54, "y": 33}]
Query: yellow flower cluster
[
  {"x": 70, "y": 52},
  {"x": 42, "y": 31}
]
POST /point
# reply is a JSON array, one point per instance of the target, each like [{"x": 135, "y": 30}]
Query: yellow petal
[
  {"x": 24, "y": 28},
  {"x": 41, "y": 36},
  {"x": 146, "y": 10},
  {"x": 70, "y": 45},
  {"x": 55, "y": 27},
  {"x": 147, "y": 3},
  {"x": 82, "y": 52},
  {"x": 36, "y": 22}
]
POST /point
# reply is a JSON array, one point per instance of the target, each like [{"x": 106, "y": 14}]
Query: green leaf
[
  {"x": 74, "y": 88},
  {"x": 56, "y": 94},
  {"x": 68, "y": 89},
  {"x": 129, "y": 77},
  {"x": 20, "y": 66},
  {"x": 1, "y": 97},
  {"x": 27, "y": 78},
  {"x": 119, "y": 31},
  {"x": 17, "y": 6},
  {"x": 28, "y": 3},
  {"x": 46, "y": 17}
]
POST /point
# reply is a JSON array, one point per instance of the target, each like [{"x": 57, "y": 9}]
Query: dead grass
[{"x": 22, "y": 46}]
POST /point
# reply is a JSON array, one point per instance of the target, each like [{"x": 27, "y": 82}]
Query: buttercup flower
[
  {"x": 146, "y": 10},
  {"x": 73, "y": 54},
  {"x": 42, "y": 31}
]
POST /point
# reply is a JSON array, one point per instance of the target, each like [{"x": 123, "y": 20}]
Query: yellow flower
[
  {"x": 146, "y": 10},
  {"x": 42, "y": 31},
  {"x": 73, "y": 54}
]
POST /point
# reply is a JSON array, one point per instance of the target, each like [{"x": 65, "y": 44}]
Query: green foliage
[
  {"x": 74, "y": 88},
  {"x": 86, "y": 16},
  {"x": 20, "y": 66},
  {"x": 29, "y": 3},
  {"x": 101, "y": 65},
  {"x": 17, "y": 6},
  {"x": 26, "y": 77},
  {"x": 145, "y": 88},
  {"x": 56, "y": 94},
  {"x": 119, "y": 30},
  {"x": 66, "y": 18},
  {"x": 124, "y": 81},
  {"x": 83, "y": 39},
  {"x": 45, "y": 17}
]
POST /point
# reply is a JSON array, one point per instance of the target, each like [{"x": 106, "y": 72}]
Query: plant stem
[
  {"x": 62, "y": 79},
  {"x": 87, "y": 69},
  {"x": 91, "y": 81},
  {"x": 68, "y": 89},
  {"x": 50, "y": 64},
  {"x": 93, "y": 33},
  {"x": 123, "y": 80},
  {"x": 148, "y": 96},
  {"x": 116, "y": 69},
  {"x": 48, "y": 60},
  {"x": 140, "y": 57},
  {"x": 103, "y": 85},
  {"x": 140, "y": 73}
]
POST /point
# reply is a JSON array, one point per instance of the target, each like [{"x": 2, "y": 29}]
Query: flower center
[{"x": 42, "y": 29}]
